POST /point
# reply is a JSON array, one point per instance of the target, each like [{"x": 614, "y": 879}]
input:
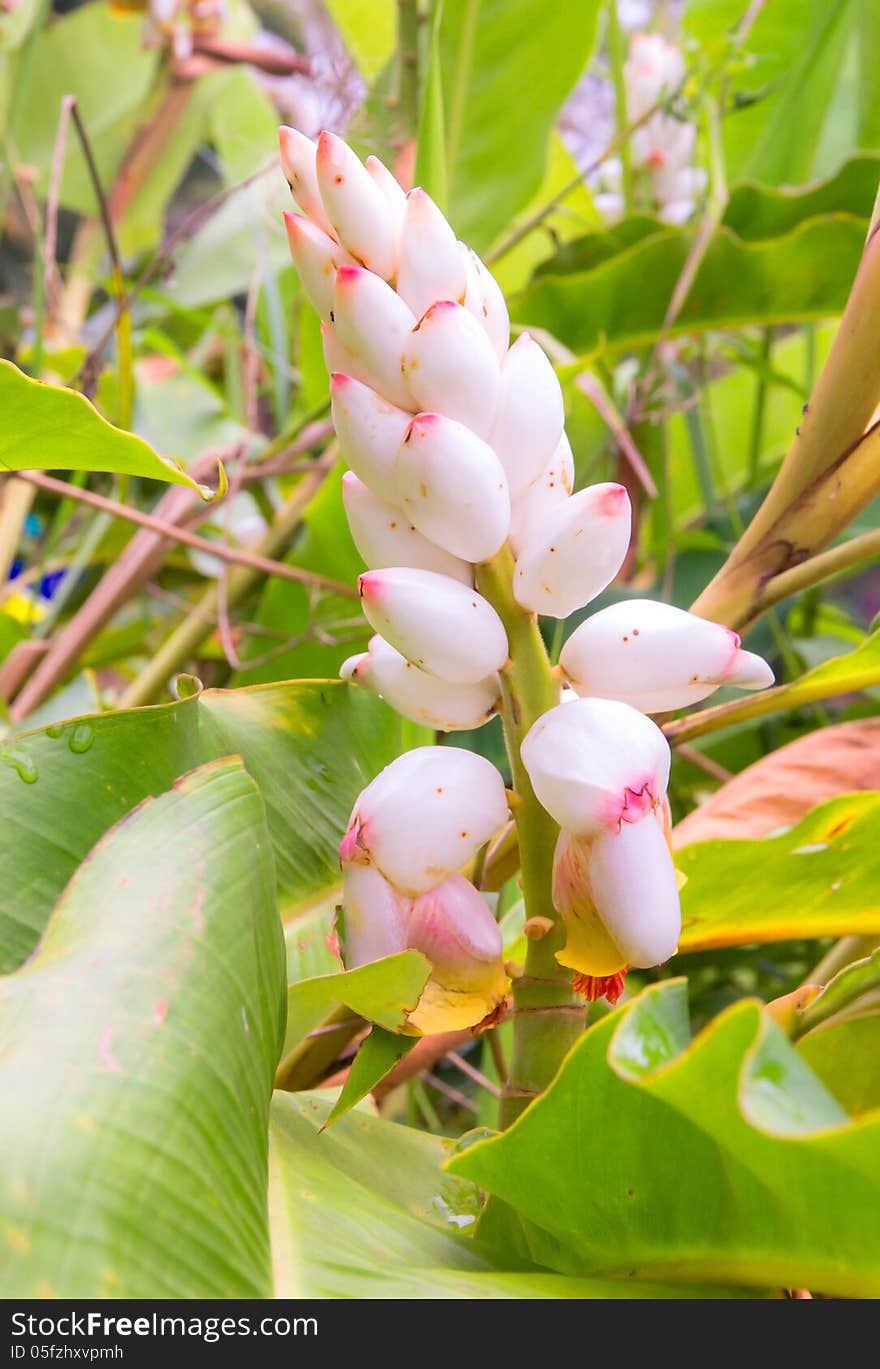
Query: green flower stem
[{"x": 548, "y": 1015}]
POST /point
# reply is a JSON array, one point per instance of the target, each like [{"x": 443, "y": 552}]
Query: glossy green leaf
[
  {"x": 49, "y": 428},
  {"x": 819, "y": 878},
  {"x": 384, "y": 991},
  {"x": 720, "y": 1158},
  {"x": 491, "y": 122},
  {"x": 801, "y": 275},
  {"x": 139, "y": 1047},
  {"x": 378, "y": 1054},
  {"x": 365, "y": 1210},
  {"x": 847, "y": 674},
  {"x": 844, "y": 1055},
  {"x": 311, "y": 746},
  {"x": 756, "y": 211},
  {"x": 851, "y": 984}
]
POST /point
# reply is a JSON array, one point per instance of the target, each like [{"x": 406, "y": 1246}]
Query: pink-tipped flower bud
[
  {"x": 298, "y": 164},
  {"x": 395, "y": 197},
  {"x": 317, "y": 258},
  {"x": 453, "y": 487},
  {"x": 384, "y": 535},
  {"x": 536, "y": 504},
  {"x": 451, "y": 366},
  {"x": 574, "y": 552},
  {"x": 530, "y": 415},
  {"x": 425, "y": 816},
  {"x": 430, "y": 266},
  {"x": 656, "y": 657},
  {"x": 596, "y": 764},
  {"x": 483, "y": 297},
  {"x": 419, "y": 696},
  {"x": 437, "y": 623},
  {"x": 452, "y": 926},
  {"x": 370, "y": 431},
  {"x": 355, "y": 205},
  {"x": 375, "y": 325}
]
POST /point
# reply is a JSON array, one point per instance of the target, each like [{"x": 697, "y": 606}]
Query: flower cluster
[
  {"x": 662, "y": 148},
  {"x": 456, "y": 448}
]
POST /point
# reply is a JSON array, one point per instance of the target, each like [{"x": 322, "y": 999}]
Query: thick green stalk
[{"x": 548, "y": 1015}]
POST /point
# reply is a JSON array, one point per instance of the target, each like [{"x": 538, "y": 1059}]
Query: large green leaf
[
  {"x": 311, "y": 746},
  {"x": 656, "y": 1156},
  {"x": 368, "y": 30},
  {"x": 819, "y": 878},
  {"x": 507, "y": 66},
  {"x": 786, "y": 89},
  {"x": 364, "y": 1209},
  {"x": 50, "y": 428},
  {"x": 139, "y": 1047},
  {"x": 756, "y": 211},
  {"x": 801, "y": 275},
  {"x": 844, "y": 1055}
]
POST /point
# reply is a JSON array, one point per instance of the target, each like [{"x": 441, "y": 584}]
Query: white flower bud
[
  {"x": 596, "y": 763},
  {"x": 375, "y": 325},
  {"x": 575, "y": 552},
  {"x": 530, "y": 416},
  {"x": 451, "y": 366},
  {"x": 384, "y": 536},
  {"x": 339, "y": 360},
  {"x": 358, "y": 209},
  {"x": 453, "y": 487},
  {"x": 298, "y": 164},
  {"x": 484, "y": 298},
  {"x": 395, "y": 196},
  {"x": 618, "y": 898},
  {"x": 430, "y": 267},
  {"x": 425, "y": 816},
  {"x": 317, "y": 258},
  {"x": 374, "y": 920},
  {"x": 535, "y": 505},
  {"x": 419, "y": 696},
  {"x": 654, "y": 69},
  {"x": 656, "y": 657},
  {"x": 437, "y": 623},
  {"x": 370, "y": 431}
]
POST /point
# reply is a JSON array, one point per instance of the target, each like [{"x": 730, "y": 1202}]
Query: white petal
[
  {"x": 419, "y": 696},
  {"x": 596, "y": 763},
  {"x": 339, "y": 360},
  {"x": 395, "y": 196},
  {"x": 355, "y": 205},
  {"x": 374, "y": 917},
  {"x": 430, "y": 267},
  {"x": 375, "y": 324},
  {"x": 452, "y": 368},
  {"x": 530, "y": 414},
  {"x": 575, "y": 551},
  {"x": 384, "y": 536},
  {"x": 657, "y": 657},
  {"x": 453, "y": 487},
  {"x": 534, "y": 505},
  {"x": 298, "y": 164},
  {"x": 426, "y": 815},
  {"x": 635, "y": 890},
  {"x": 484, "y": 298},
  {"x": 317, "y": 258},
  {"x": 453, "y": 926},
  {"x": 437, "y": 623},
  {"x": 370, "y": 431}
]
